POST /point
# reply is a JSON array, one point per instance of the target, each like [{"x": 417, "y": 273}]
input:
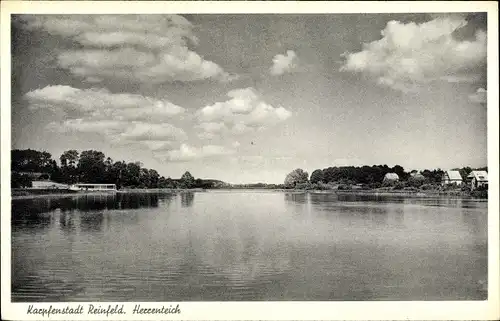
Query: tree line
[
  {"x": 91, "y": 166},
  {"x": 367, "y": 177}
]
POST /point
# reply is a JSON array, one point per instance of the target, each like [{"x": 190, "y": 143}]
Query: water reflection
[
  {"x": 187, "y": 199},
  {"x": 66, "y": 222},
  {"x": 300, "y": 198},
  {"x": 380, "y": 210},
  {"x": 39, "y": 212},
  {"x": 247, "y": 246},
  {"x": 91, "y": 222}
]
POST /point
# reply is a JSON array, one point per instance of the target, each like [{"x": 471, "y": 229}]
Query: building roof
[
  {"x": 418, "y": 176},
  {"x": 454, "y": 175},
  {"x": 481, "y": 176},
  {"x": 391, "y": 176},
  {"x": 47, "y": 184}
]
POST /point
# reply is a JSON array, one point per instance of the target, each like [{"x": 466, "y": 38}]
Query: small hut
[{"x": 391, "y": 177}]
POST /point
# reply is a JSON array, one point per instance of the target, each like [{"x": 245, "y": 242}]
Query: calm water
[{"x": 248, "y": 245}]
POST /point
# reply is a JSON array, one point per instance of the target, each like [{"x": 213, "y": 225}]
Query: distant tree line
[
  {"x": 91, "y": 166},
  {"x": 367, "y": 177}
]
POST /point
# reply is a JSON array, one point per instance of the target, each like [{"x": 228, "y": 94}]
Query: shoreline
[{"x": 31, "y": 194}]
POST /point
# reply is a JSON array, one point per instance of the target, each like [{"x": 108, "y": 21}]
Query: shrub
[
  {"x": 399, "y": 185},
  {"x": 427, "y": 187}
]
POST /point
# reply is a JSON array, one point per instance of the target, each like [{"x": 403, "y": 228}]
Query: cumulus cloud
[
  {"x": 189, "y": 153},
  {"x": 409, "y": 55},
  {"x": 139, "y": 131},
  {"x": 102, "y": 104},
  {"x": 284, "y": 63},
  {"x": 81, "y": 125},
  {"x": 121, "y": 117},
  {"x": 212, "y": 127},
  {"x": 156, "y": 145},
  {"x": 144, "y": 48},
  {"x": 245, "y": 111},
  {"x": 479, "y": 97}
]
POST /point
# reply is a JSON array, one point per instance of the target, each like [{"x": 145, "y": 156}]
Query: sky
[{"x": 249, "y": 98}]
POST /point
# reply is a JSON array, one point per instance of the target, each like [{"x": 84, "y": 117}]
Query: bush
[
  {"x": 20, "y": 181},
  {"x": 344, "y": 187},
  {"x": 375, "y": 185},
  {"x": 414, "y": 182},
  {"x": 427, "y": 187},
  {"x": 480, "y": 192},
  {"x": 399, "y": 185}
]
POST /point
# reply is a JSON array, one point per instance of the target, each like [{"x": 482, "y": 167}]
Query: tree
[
  {"x": 131, "y": 175},
  {"x": 187, "y": 180},
  {"x": 69, "y": 161},
  {"x": 69, "y": 158},
  {"x": 154, "y": 178},
  {"x": 91, "y": 167},
  {"x": 29, "y": 160},
  {"x": 20, "y": 181},
  {"x": 316, "y": 176},
  {"x": 295, "y": 177}
]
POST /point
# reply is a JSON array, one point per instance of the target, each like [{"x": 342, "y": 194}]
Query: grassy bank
[
  {"x": 32, "y": 193},
  {"x": 43, "y": 193}
]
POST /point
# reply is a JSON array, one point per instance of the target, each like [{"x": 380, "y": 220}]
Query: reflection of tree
[
  {"x": 91, "y": 222},
  {"x": 296, "y": 198},
  {"x": 66, "y": 222},
  {"x": 187, "y": 199}
]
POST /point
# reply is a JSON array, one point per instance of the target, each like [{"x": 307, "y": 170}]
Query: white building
[
  {"x": 478, "y": 179},
  {"x": 47, "y": 185},
  {"x": 451, "y": 177}
]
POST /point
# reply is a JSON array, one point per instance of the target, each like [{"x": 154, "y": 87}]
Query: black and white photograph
[{"x": 181, "y": 157}]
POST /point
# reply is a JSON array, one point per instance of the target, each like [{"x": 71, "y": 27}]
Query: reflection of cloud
[
  {"x": 412, "y": 54},
  {"x": 479, "y": 96},
  {"x": 146, "y": 48},
  {"x": 284, "y": 63}
]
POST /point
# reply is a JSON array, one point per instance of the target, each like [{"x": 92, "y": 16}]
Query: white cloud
[
  {"x": 211, "y": 130},
  {"x": 102, "y": 104},
  {"x": 207, "y": 136},
  {"x": 284, "y": 63},
  {"x": 156, "y": 145},
  {"x": 244, "y": 110},
  {"x": 479, "y": 97},
  {"x": 146, "y": 48},
  {"x": 80, "y": 125},
  {"x": 138, "y": 131},
  {"x": 212, "y": 127},
  {"x": 189, "y": 153},
  {"x": 122, "y": 118},
  {"x": 409, "y": 55}
]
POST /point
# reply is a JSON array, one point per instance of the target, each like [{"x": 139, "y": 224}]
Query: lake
[{"x": 247, "y": 245}]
